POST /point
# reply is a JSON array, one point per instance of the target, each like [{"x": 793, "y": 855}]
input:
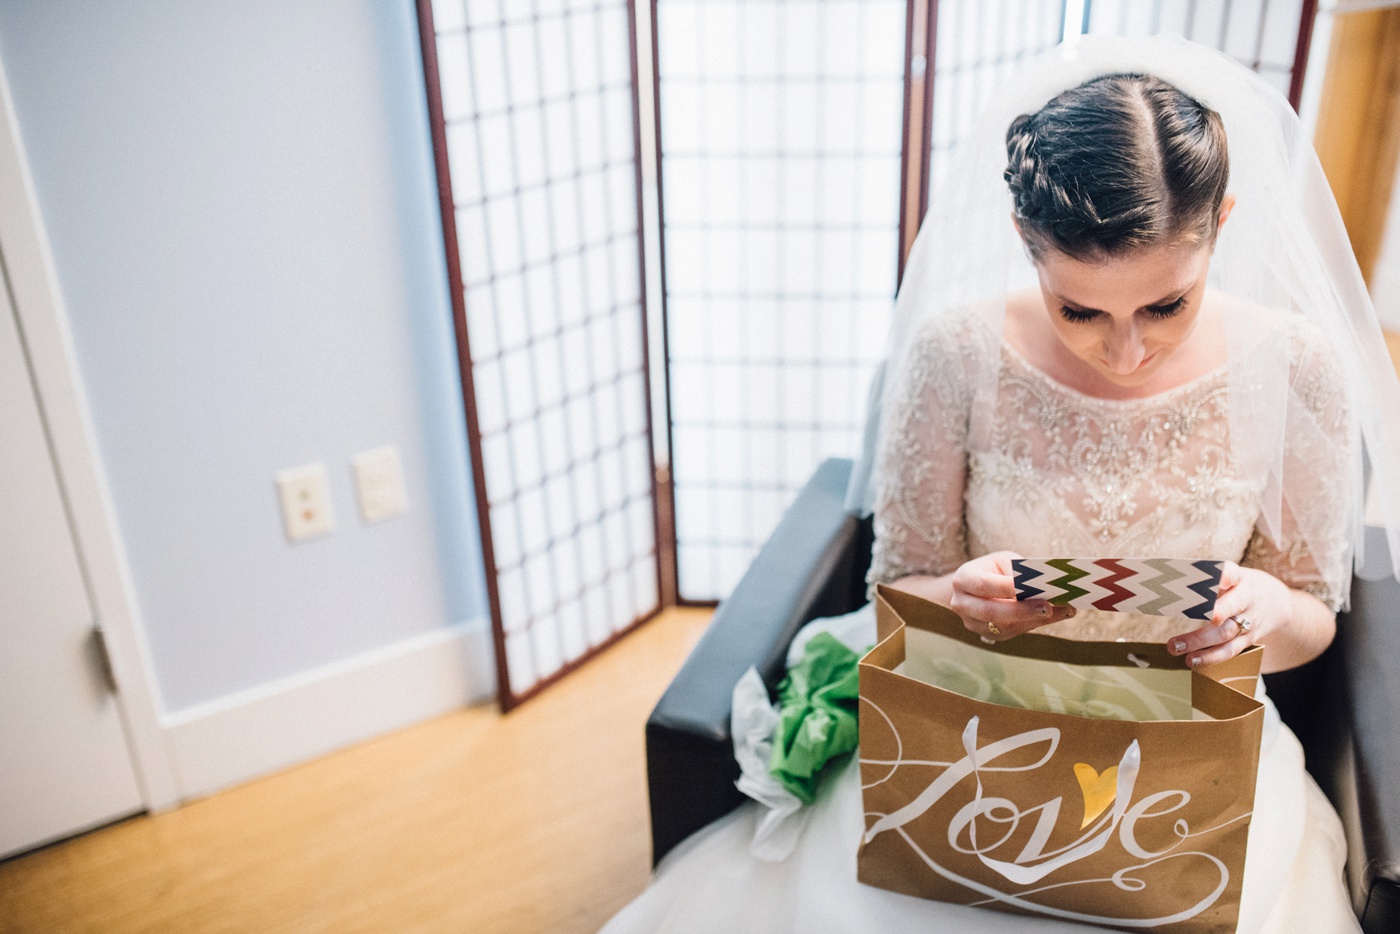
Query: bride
[{"x": 1165, "y": 350}]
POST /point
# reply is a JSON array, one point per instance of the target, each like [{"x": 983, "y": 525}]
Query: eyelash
[{"x": 1156, "y": 311}]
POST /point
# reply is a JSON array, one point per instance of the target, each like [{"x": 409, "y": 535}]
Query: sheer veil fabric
[{"x": 1282, "y": 260}]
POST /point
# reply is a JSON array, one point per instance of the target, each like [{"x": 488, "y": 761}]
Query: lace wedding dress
[{"x": 1055, "y": 473}]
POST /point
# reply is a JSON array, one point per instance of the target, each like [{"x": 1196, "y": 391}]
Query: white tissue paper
[
  {"x": 855, "y": 630},
  {"x": 752, "y": 722}
]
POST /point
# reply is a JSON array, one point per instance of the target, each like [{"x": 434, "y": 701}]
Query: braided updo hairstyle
[{"x": 1121, "y": 162}]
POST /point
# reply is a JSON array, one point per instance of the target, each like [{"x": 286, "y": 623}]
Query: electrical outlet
[
  {"x": 306, "y": 501},
  {"x": 379, "y": 483}
]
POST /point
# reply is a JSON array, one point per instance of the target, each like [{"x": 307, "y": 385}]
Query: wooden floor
[{"x": 474, "y": 822}]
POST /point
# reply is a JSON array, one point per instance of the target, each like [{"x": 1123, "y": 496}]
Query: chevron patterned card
[{"x": 1153, "y": 586}]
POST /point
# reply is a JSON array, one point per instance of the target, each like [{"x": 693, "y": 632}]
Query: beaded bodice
[{"x": 1062, "y": 474}]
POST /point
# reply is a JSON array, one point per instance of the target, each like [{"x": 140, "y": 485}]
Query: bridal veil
[{"x": 1284, "y": 251}]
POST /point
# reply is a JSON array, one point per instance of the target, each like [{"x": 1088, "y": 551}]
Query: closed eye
[
  {"x": 1075, "y": 316},
  {"x": 1080, "y": 316},
  {"x": 1166, "y": 311}
]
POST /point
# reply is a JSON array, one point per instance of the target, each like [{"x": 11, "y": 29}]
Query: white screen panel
[
  {"x": 1262, "y": 34},
  {"x": 979, "y": 45},
  {"x": 540, "y": 138},
  {"x": 781, "y": 129}
]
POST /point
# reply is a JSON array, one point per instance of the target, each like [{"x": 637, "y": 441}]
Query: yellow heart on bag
[{"x": 1099, "y": 790}]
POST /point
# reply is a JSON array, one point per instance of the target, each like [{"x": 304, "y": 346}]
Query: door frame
[{"x": 26, "y": 263}]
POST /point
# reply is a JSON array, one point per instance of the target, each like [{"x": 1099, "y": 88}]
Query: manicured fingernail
[
  {"x": 1178, "y": 647},
  {"x": 1195, "y": 661},
  {"x": 1068, "y": 611},
  {"x": 1043, "y": 611}
]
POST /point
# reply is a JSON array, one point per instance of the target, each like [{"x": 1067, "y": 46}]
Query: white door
[{"x": 64, "y": 762}]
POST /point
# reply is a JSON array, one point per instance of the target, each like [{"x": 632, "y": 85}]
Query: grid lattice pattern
[
  {"x": 1262, "y": 34},
  {"x": 979, "y": 46},
  {"x": 780, "y": 147},
  {"x": 537, "y": 102}
]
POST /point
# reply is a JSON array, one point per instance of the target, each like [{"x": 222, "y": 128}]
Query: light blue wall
[{"x": 240, "y": 199}]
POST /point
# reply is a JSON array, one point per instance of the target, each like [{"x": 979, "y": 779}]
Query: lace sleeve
[
  {"x": 1320, "y": 480},
  {"x": 921, "y": 465}
]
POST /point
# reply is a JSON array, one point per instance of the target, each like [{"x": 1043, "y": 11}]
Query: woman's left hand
[{"x": 1251, "y": 604}]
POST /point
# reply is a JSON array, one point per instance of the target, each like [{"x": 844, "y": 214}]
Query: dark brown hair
[{"x": 1121, "y": 162}]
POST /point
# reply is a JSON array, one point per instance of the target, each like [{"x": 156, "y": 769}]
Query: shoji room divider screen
[
  {"x": 535, "y": 132},
  {"x": 780, "y": 141},
  {"x": 796, "y": 145},
  {"x": 787, "y": 128}
]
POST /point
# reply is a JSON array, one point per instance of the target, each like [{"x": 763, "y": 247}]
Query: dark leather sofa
[{"x": 1345, "y": 706}]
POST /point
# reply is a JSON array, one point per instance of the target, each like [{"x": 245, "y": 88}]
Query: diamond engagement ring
[{"x": 1244, "y": 623}]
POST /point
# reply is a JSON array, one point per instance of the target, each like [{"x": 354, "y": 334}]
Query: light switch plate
[
  {"x": 379, "y": 483},
  {"x": 306, "y": 501}
]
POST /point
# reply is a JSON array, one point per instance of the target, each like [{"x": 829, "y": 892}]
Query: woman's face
[{"x": 1125, "y": 317}]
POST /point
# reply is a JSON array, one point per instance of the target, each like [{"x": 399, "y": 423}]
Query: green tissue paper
[{"x": 817, "y": 714}]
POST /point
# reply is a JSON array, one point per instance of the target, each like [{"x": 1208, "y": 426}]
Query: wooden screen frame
[{"x": 920, "y": 43}]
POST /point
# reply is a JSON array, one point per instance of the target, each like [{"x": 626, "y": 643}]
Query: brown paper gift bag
[{"x": 1134, "y": 824}]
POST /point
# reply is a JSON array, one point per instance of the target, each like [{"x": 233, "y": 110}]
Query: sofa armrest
[
  {"x": 1365, "y": 775},
  {"x": 813, "y": 565}
]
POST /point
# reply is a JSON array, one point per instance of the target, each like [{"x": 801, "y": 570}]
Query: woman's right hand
[{"x": 984, "y": 595}]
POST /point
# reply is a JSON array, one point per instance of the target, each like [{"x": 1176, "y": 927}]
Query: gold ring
[{"x": 992, "y": 628}]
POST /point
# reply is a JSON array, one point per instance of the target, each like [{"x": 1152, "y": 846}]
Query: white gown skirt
[{"x": 711, "y": 883}]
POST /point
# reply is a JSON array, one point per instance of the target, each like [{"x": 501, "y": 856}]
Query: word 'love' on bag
[{"x": 1097, "y": 782}]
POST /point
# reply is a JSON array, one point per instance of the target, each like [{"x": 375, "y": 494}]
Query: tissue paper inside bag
[{"x": 1100, "y": 691}]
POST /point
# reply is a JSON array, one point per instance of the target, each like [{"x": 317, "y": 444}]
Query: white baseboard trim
[{"x": 243, "y": 736}]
